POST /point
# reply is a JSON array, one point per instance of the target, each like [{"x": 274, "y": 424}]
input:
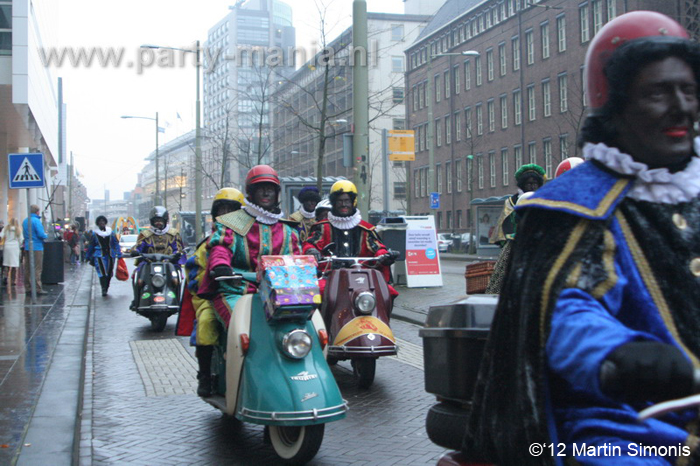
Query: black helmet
[{"x": 159, "y": 212}]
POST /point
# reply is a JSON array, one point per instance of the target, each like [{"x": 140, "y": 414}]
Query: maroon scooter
[{"x": 356, "y": 309}]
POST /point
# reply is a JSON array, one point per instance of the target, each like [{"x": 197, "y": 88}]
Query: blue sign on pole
[
  {"x": 434, "y": 200},
  {"x": 26, "y": 170}
]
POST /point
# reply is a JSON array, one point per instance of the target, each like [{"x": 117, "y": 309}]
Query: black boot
[{"x": 203, "y": 354}]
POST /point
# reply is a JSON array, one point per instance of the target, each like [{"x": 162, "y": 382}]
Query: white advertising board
[{"x": 422, "y": 256}]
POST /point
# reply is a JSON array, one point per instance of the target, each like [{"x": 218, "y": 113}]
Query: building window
[
  {"x": 518, "y": 156},
  {"x": 517, "y": 107},
  {"x": 564, "y": 146},
  {"x": 438, "y": 131},
  {"x": 479, "y": 120},
  {"x": 611, "y": 9},
  {"x": 597, "y": 6},
  {"x": 530, "y": 46},
  {"x": 449, "y": 219},
  {"x": 438, "y": 88},
  {"x": 489, "y": 64},
  {"x": 424, "y": 183},
  {"x": 470, "y": 173},
  {"x": 544, "y": 31},
  {"x": 563, "y": 94},
  {"x": 459, "y": 219},
  {"x": 397, "y": 32},
  {"x": 421, "y": 95},
  {"x": 397, "y": 64},
  {"x": 480, "y": 170},
  {"x": 515, "y": 42},
  {"x": 504, "y": 166},
  {"x": 458, "y": 126},
  {"x": 585, "y": 24},
  {"x": 504, "y": 111},
  {"x": 416, "y": 183},
  {"x": 503, "y": 61},
  {"x": 456, "y": 78},
  {"x": 532, "y": 152},
  {"x": 448, "y": 130},
  {"x": 467, "y": 75},
  {"x": 477, "y": 70},
  {"x": 416, "y": 140},
  {"x": 491, "y": 110},
  {"x": 458, "y": 173},
  {"x": 447, "y": 84},
  {"x": 438, "y": 177},
  {"x": 448, "y": 176},
  {"x": 398, "y": 123},
  {"x": 399, "y": 190},
  {"x": 438, "y": 220},
  {"x": 492, "y": 169},
  {"x": 397, "y": 95},
  {"x": 531, "y": 108},
  {"x": 422, "y": 139},
  {"x": 546, "y": 98},
  {"x": 561, "y": 33},
  {"x": 468, "y": 121},
  {"x": 414, "y": 93},
  {"x": 547, "y": 148}
]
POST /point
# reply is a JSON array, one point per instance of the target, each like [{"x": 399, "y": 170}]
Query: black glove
[
  {"x": 134, "y": 253},
  {"x": 221, "y": 271},
  {"x": 389, "y": 258},
  {"x": 176, "y": 257},
  {"x": 646, "y": 371},
  {"x": 314, "y": 252}
]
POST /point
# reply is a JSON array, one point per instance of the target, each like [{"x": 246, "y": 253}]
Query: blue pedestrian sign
[
  {"x": 26, "y": 170},
  {"x": 434, "y": 200}
]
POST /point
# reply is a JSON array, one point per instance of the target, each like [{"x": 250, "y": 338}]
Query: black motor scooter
[{"x": 160, "y": 282}]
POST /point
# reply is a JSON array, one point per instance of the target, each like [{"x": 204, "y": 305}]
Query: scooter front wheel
[
  {"x": 364, "y": 369},
  {"x": 159, "y": 322},
  {"x": 296, "y": 444}
]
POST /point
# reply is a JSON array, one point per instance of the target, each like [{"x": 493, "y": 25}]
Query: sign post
[
  {"x": 27, "y": 171},
  {"x": 422, "y": 256}
]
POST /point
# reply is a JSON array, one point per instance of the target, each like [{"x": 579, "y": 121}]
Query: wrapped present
[{"x": 288, "y": 281}]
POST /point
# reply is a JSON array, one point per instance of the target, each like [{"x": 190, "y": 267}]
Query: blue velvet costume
[{"x": 594, "y": 269}]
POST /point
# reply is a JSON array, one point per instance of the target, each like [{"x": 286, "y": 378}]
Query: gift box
[{"x": 288, "y": 285}]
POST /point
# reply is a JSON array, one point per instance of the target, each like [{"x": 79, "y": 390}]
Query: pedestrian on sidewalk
[
  {"x": 10, "y": 261},
  {"x": 102, "y": 252},
  {"x": 86, "y": 239},
  {"x": 73, "y": 245},
  {"x": 36, "y": 235}
]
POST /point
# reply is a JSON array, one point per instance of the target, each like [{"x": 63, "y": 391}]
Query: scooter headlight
[
  {"x": 158, "y": 280},
  {"x": 296, "y": 344},
  {"x": 365, "y": 302}
]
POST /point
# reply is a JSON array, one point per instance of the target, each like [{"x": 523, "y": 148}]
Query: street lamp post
[
  {"x": 429, "y": 96},
  {"x": 157, "y": 193},
  {"x": 197, "y": 143}
]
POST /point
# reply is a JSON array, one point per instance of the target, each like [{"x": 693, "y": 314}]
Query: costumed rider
[
  {"x": 160, "y": 238},
  {"x": 309, "y": 197},
  {"x": 529, "y": 178},
  {"x": 240, "y": 238},
  {"x": 599, "y": 315},
  {"x": 197, "y": 317},
  {"x": 352, "y": 236}
]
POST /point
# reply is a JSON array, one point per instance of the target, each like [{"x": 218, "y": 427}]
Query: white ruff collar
[
  {"x": 345, "y": 223},
  {"x": 106, "y": 232},
  {"x": 306, "y": 214},
  {"x": 652, "y": 185},
  {"x": 262, "y": 215},
  {"x": 160, "y": 232}
]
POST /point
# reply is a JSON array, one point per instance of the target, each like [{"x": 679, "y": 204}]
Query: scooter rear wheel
[
  {"x": 296, "y": 445},
  {"x": 159, "y": 322},
  {"x": 364, "y": 369}
]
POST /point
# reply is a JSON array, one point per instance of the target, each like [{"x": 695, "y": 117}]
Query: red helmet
[
  {"x": 567, "y": 164},
  {"x": 630, "y": 26},
  {"x": 261, "y": 174}
]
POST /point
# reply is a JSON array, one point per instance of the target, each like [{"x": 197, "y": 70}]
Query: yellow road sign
[{"x": 401, "y": 145}]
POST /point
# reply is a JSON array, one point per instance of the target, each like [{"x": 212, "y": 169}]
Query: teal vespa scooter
[{"x": 271, "y": 370}]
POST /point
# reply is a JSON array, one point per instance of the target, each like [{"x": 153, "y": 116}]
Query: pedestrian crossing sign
[{"x": 26, "y": 170}]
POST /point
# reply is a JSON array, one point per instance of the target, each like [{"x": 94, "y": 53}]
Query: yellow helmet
[
  {"x": 230, "y": 194},
  {"x": 344, "y": 186}
]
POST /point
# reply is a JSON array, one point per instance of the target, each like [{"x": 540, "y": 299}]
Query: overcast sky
[{"x": 110, "y": 151}]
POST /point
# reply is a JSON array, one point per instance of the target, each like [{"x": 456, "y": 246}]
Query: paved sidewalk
[{"x": 42, "y": 346}]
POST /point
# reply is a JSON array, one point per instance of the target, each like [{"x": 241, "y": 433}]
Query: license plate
[{"x": 159, "y": 299}]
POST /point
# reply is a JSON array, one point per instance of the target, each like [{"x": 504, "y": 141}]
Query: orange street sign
[{"x": 401, "y": 146}]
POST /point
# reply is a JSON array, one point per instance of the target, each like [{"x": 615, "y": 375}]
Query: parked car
[
  {"x": 126, "y": 242},
  {"x": 444, "y": 242},
  {"x": 464, "y": 242}
]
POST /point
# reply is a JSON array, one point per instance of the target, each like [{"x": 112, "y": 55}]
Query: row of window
[
  {"x": 473, "y": 124},
  {"x": 590, "y": 12},
  {"x": 465, "y": 172}
]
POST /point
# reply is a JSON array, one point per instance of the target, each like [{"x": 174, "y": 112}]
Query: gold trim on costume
[
  {"x": 609, "y": 266},
  {"x": 239, "y": 221},
  {"x": 574, "y": 276},
  {"x": 603, "y": 207},
  {"x": 652, "y": 286},
  {"x": 571, "y": 243}
]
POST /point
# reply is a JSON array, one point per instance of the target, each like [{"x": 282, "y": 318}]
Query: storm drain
[{"x": 165, "y": 367}]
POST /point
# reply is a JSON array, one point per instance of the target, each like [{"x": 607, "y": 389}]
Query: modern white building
[{"x": 28, "y": 97}]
